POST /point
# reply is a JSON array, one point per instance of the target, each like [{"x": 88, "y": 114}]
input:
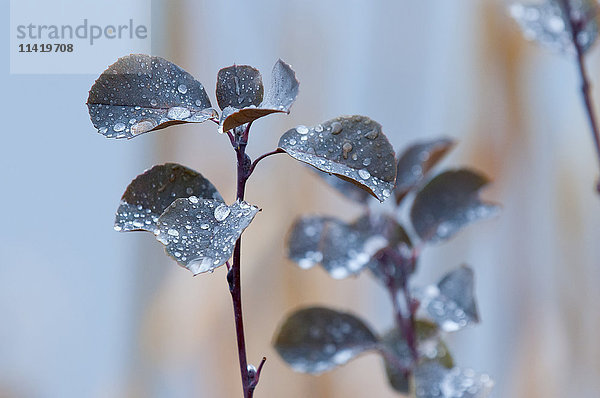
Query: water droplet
[
  {"x": 386, "y": 193},
  {"x": 366, "y": 161},
  {"x": 182, "y": 88},
  {"x": 371, "y": 135},
  {"x": 318, "y": 128},
  {"x": 556, "y": 24},
  {"x": 204, "y": 226},
  {"x": 153, "y": 102},
  {"x": 192, "y": 199},
  {"x": 346, "y": 148},
  {"x": 179, "y": 113},
  {"x": 143, "y": 126},
  {"x": 302, "y": 130},
  {"x": 119, "y": 127},
  {"x": 221, "y": 212},
  {"x": 364, "y": 174},
  {"x": 336, "y": 128},
  {"x": 173, "y": 232},
  {"x": 292, "y": 142},
  {"x": 199, "y": 266}
]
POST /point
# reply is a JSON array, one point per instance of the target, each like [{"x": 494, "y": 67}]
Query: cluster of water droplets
[
  {"x": 150, "y": 193},
  {"x": 353, "y": 147},
  {"x": 547, "y": 23},
  {"x": 240, "y": 93},
  {"x": 138, "y": 93},
  {"x": 341, "y": 249},
  {"x": 323, "y": 339},
  {"x": 200, "y": 233},
  {"x": 432, "y": 380},
  {"x": 450, "y": 304}
]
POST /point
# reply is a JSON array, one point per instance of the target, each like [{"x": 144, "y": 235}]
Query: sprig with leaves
[
  {"x": 566, "y": 26},
  {"x": 141, "y": 93},
  {"x": 317, "y": 339}
]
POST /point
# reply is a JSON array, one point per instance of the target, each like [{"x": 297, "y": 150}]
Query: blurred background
[{"x": 88, "y": 312}]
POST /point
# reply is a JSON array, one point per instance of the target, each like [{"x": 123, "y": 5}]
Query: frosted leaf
[
  {"x": 546, "y": 22},
  {"x": 200, "y": 234},
  {"x": 316, "y": 339},
  {"x": 150, "y": 193},
  {"x": 338, "y": 247},
  {"x": 244, "y": 102},
  {"x": 451, "y": 304},
  {"x": 140, "y": 93},
  {"x": 416, "y": 161},
  {"x": 429, "y": 347},
  {"x": 433, "y": 380},
  {"x": 342, "y": 146},
  {"x": 449, "y": 202}
]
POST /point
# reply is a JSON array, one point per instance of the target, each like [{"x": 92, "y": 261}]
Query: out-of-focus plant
[
  {"x": 183, "y": 209},
  {"x": 317, "y": 339},
  {"x": 566, "y": 26}
]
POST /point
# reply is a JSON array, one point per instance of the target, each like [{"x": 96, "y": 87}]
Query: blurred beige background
[{"x": 88, "y": 312}]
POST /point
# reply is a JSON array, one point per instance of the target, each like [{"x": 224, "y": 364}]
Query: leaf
[
  {"x": 150, "y": 193},
  {"x": 340, "y": 249},
  {"x": 242, "y": 103},
  {"x": 415, "y": 163},
  {"x": 351, "y": 147},
  {"x": 316, "y": 339},
  {"x": 394, "y": 260},
  {"x": 140, "y": 93},
  {"x": 434, "y": 380},
  {"x": 200, "y": 234},
  {"x": 239, "y": 86},
  {"x": 451, "y": 304},
  {"x": 449, "y": 202},
  {"x": 429, "y": 346},
  {"x": 547, "y": 23}
]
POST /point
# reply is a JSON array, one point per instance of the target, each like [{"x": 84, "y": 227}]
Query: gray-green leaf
[
  {"x": 140, "y": 93},
  {"x": 547, "y": 23},
  {"x": 451, "y": 304},
  {"x": 316, "y": 339},
  {"x": 200, "y": 234},
  {"x": 351, "y": 147},
  {"x": 150, "y": 193},
  {"x": 242, "y": 99},
  {"x": 341, "y": 249},
  {"x": 429, "y": 346},
  {"x": 432, "y": 380},
  {"x": 416, "y": 161},
  {"x": 449, "y": 202}
]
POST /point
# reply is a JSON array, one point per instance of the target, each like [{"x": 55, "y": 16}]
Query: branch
[
  {"x": 575, "y": 27},
  {"x": 261, "y": 157}
]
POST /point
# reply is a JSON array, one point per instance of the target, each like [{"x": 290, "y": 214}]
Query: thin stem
[
  {"x": 261, "y": 157},
  {"x": 256, "y": 378},
  {"x": 576, "y": 26},
  {"x": 405, "y": 324},
  {"x": 234, "y": 275}
]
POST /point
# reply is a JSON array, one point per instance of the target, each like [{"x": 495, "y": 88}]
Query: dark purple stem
[
  {"x": 406, "y": 323},
  {"x": 576, "y": 26},
  {"x": 261, "y": 157},
  {"x": 234, "y": 275}
]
